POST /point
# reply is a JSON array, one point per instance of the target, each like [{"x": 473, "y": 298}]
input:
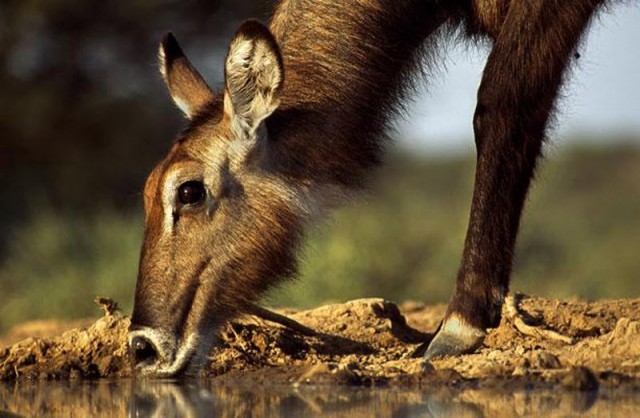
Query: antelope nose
[{"x": 143, "y": 350}]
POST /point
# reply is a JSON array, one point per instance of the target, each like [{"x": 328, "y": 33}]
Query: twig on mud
[
  {"x": 239, "y": 340},
  {"x": 514, "y": 315},
  {"x": 271, "y": 316},
  {"x": 109, "y": 305}
]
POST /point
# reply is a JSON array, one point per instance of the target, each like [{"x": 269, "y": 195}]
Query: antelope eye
[{"x": 191, "y": 192}]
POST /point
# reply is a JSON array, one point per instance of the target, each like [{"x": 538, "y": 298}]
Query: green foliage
[
  {"x": 579, "y": 235},
  {"x": 57, "y": 264},
  {"x": 400, "y": 240},
  {"x": 581, "y": 232}
]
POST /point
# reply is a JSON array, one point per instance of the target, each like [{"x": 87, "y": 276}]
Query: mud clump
[
  {"x": 98, "y": 350},
  {"x": 572, "y": 344}
]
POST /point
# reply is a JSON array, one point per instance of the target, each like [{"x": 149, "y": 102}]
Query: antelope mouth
[{"x": 156, "y": 353}]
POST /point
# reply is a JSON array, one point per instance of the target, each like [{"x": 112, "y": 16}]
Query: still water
[{"x": 128, "y": 398}]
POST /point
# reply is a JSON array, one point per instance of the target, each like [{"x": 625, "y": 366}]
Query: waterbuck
[{"x": 227, "y": 208}]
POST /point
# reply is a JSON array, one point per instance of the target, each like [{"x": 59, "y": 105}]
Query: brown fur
[{"x": 346, "y": 68}]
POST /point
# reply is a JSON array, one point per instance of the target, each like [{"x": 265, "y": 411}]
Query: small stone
[
  {"x": 313, "y": 372},
  {"x": 546, "y": 360},
  {"x": 352, "y": 366},
  {"x": 104, "y": 365},
  {"x": 580, "y": 378},
  {"x": 261, "y": 342},
  {"x": 448, "y": 376},
  {"x": 519, "y": 371},
  {"x": 494, "y": 354},
  {"x": 543, "y": 360}
]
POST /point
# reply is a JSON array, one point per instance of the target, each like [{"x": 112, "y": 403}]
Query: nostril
[{"x": 143, "y": 350}]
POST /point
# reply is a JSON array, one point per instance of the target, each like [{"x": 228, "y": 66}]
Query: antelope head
[{"x": 221, "y": 225}]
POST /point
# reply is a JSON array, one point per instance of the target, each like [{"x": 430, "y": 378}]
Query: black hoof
[{"x": 454, "y": 338}]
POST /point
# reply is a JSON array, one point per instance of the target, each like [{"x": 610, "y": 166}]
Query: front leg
[{"x": 519, "y": 86}]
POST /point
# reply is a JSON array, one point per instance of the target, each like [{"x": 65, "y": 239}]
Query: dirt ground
[{"x": 370, "y": 342}]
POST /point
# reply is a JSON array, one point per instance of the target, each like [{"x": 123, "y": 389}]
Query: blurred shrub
[
  {"x": 58, "y": 263},
  {"x": 579, "y": 235}
]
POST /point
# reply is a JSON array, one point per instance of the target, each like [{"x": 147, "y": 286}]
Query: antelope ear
[
  {"x": 187, "y": 87},
  {"x": 254, "y": 76}
]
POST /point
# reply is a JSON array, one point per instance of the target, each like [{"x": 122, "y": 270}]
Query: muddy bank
[{"x": 540, "y": 342}]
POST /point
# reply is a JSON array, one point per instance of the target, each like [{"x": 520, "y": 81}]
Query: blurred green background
[{"x": 84, "y": 116}]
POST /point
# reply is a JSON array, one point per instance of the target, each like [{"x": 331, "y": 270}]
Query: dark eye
[{"x": 191, "y": 192}]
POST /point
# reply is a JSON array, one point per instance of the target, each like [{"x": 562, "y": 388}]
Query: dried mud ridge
[{"x": 540, "y": 342}]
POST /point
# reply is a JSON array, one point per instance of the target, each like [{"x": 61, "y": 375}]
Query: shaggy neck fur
[{"x": 347, "y": 66}]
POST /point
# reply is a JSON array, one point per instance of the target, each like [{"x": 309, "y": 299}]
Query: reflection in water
[{"x": 208, "y": 398}]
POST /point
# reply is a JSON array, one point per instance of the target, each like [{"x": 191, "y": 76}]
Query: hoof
[{"x": 454, "y": 337}]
